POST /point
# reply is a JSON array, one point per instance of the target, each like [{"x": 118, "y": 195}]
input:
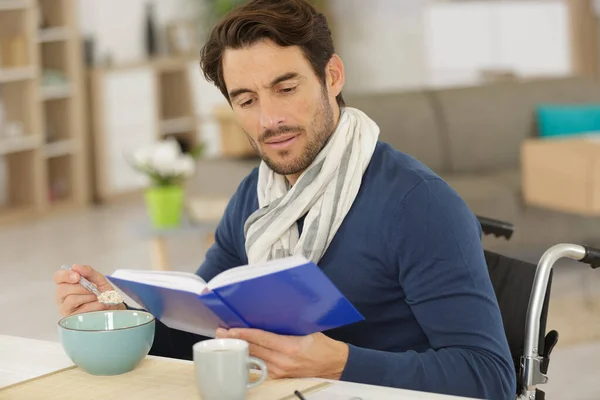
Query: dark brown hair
[{"x": 285, "y": 22}]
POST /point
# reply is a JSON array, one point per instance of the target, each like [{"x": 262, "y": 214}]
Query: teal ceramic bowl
[{"x": 107, "y": 342}]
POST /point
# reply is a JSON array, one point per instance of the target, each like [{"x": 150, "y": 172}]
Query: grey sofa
[{"x": 471, "y": 137}]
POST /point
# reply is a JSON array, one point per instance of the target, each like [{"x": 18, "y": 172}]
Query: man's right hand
[{"x": 72, "y": 298}]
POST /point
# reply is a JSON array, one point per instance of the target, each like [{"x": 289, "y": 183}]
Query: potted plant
[{"x": 167, "y": 167}]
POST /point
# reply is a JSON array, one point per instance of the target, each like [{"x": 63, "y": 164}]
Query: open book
[{"x": 289, "y": 296}]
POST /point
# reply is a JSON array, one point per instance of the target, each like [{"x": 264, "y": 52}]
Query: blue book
[{"x": 289, "y": 296}]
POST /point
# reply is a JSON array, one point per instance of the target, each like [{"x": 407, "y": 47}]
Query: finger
[
  {"x": 221, "y": 333},
  {"x": 265, "y": 354},
  {"x": 66, "y": 289},
  {"x": 62, "y": 276},
  {"x": 275, "y": 372},
  {"x": 89, "y": 307},
  {"x": 282, "y": 361},
  {"x": 75, "y": 301},
  {"x": 90, "y": 274},
  {"x": 264, "y": 339}
]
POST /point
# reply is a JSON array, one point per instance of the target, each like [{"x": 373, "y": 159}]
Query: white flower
[
  {"x": 185, "y": 166},
  {"x": 142, "y": 157},
  {"x": 164, "y": 156},
  {"x": 164, "y": 163}
]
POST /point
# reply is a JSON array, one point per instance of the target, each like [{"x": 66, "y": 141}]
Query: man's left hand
[{"x": 314, "y": 355}]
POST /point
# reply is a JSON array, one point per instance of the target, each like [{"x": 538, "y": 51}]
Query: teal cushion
[{"x": 567, "y": 120}]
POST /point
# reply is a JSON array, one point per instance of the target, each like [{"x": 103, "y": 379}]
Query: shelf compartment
[
  {"x": 174, "y": 95},
  {"x": 15, "y": 48},
  {"x": 56, "y": 92},
  {"x": 57, "y": 120},
  {"x": 56, "y": 34},
  {"x": 55, "y": 61},
  {"x": 53, "y": 13},
  {"x": 59, "y": 148},
  {"x": 13, "y": 21},
  {"x": 17, "y": 181},
  {"x": 60, "y": 178},
  {"x": 16, "y": 100}
]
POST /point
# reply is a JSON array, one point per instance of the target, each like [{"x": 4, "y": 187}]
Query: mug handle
[{"x": 263, "y": 371}]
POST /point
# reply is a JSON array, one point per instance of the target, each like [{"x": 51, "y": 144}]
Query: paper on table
[
  {"x": 336, "y": 392},
  {"x": 22, "y": 359}
]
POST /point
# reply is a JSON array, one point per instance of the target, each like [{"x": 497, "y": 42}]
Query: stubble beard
[{"x": 322, "y": 126}]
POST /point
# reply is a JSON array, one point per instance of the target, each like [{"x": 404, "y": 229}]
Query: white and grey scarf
[{"x": 324, "y": 192}]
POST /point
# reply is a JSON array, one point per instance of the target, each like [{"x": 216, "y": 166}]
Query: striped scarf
[{"x": 324, "y": 192}]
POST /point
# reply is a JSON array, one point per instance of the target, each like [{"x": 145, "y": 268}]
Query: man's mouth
[{"x": 282, "y": 140}]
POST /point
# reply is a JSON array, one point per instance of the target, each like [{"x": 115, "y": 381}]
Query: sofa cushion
[
  {"x": 220, "y": 176},
  {"x": 485, "y": 125},
  {"x": 407, "y": 122},
  {"x": 508, "y": 178},
  {"x": 567, "y": 120}
]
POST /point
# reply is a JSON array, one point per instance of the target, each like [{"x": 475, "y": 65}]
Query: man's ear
[{"x": 335, "y": 75}]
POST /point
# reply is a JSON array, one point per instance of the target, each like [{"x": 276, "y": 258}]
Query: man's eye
[
  {"x": 288, "y": 90},
  {"x": 246, "y": 103}
]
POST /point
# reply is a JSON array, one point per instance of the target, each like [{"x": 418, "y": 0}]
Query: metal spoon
[{"x": 89, "y": 286}]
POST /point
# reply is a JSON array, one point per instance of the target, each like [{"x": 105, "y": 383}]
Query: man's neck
[
  {"x": 336, "y": 117},
  {"x": 293, "y": 178}
]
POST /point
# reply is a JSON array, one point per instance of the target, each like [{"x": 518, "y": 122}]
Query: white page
[
  {"x": 246, "y": 272},
  {"x": 185, "y": 281},
  {"x": 22, "y": 359},
  {"x": 337, "y": 391},
  {"x": 345, "y": 391}
]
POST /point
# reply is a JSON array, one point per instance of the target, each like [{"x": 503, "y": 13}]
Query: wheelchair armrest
[
  {"x": 591, "y": 257},
  {"x": 496, "y": 227}
]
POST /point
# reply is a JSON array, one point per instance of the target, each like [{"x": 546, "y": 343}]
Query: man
[{"x": 392, "y": 236}]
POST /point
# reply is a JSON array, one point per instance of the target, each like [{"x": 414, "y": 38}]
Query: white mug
[{"x": 222, "y": 367}]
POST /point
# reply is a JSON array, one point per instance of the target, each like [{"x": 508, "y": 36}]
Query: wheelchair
[{"x": 523, "y": 292}]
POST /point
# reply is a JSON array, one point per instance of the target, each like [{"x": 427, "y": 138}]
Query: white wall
[
  {"x": 389, "y": 45},
  {"x": 118, "y": 25},
  {"x": 381, "y": 43},
  {"x": 528, "y": 37}
]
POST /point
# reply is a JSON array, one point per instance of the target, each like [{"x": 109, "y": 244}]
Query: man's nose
[{"x": 271, "y": 115}]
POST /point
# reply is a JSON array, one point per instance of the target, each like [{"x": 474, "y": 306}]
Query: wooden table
[
  {"x": 23, "y": 359},
  {"x": 159, "y": 238},
  {"x": 201, "y": 217}
]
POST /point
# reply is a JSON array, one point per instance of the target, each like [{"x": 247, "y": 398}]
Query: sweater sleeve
[
  {"x": 225, "y": 252},
  {"x": 436, "y": 244},
  {"x": 222, "y": 255}
]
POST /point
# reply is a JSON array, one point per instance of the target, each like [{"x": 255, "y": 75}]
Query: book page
[
  {"x": 185, "y": 281},
  {"x": 246, "y": 272}
]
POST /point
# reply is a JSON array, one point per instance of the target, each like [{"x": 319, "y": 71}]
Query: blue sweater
[{"x": 409, "y": 257}]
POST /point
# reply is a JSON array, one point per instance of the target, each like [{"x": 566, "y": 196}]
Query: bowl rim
[{"x": 151, "y": 320}]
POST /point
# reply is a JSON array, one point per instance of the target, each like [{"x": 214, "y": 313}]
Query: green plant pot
[{"x": 165, "y": 206}]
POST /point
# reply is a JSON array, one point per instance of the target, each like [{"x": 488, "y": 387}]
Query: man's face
[{"x": 280, "y": 103}]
